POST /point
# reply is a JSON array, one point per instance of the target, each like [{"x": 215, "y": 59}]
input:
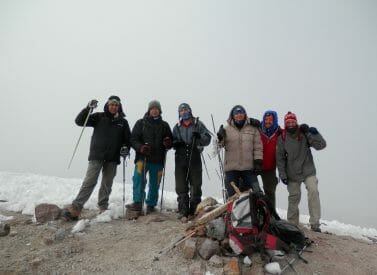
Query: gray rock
[
  {"x": 60, "y": 234},
  {"x": 197, "y": 268},
  {"x": 208, "y": 248},
  {"x": 216, "y": 261},
  {"x": 189, "y": 249},
  {"x": 4, "y": 229},
  {"x": 216, "y": 229},
  {"x": 45, "y": 212}
]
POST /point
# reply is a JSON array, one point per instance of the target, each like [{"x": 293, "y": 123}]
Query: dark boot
[
  {"x": 135, "y": 206},
  {"x": 71, "y": 213},
  {"x": 150, "y": 210}
]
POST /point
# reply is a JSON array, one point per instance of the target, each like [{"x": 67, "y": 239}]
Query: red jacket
[{"x": 269, "y": 150}]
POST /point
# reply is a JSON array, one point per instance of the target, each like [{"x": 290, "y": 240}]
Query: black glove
[
  {"x": 178, "y": 143},
  {"x": 313, "y": 130},
  {"x": 93, "y": 104},
  {"x": 124, "y": 151},
  {"x": 167, "y": 142},
  {"x": 196, "y": 134},
  {"x": 254, "y": 122},
  {"x": 145, "y": 149},
  {"x": 258, "y": 166},
  {"x": 285, "y": 181},
  {"x": 221, "y": 133},
  {"x": 304, "y": 128}
]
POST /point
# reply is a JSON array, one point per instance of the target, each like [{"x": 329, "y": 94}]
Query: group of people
[{"x": 252, "y": 148}]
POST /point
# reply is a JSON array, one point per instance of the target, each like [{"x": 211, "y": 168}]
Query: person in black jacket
[
  {"x": 151, "y": 137},
  {"x": 190, "y": 135},
  {"x": 111, "y": 134}
]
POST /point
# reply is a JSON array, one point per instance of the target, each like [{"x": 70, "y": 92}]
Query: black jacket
[
  {"x": 148, "y": 130},
  {"x": 109, "y": 134}
]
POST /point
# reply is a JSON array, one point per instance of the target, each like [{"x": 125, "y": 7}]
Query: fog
[{"x": 317, "y": 59}]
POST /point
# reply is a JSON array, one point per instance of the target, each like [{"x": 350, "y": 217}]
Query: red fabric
[{"x": 269, "y": 151}]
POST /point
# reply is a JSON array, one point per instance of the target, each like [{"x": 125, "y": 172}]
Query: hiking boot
[
  {"x": 71, "y": 213},
  {"x": 316, "y": 229},
  {"x": 150, "y": 210},
  {"x": 102, "y": 209},
  {"x": 135, "y": 206}
]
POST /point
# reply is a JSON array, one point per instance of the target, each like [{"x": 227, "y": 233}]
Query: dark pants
[
  {"x": 189, "y": 192},
  {"x": 249, "y": 180},
  {"x": 269, "y": 184}
]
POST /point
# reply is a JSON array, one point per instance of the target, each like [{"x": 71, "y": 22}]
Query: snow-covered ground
[{"x": 22, "y": 192}]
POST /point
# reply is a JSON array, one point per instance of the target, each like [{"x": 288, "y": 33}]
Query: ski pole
[
  {"x": 124, "y": 184},
  {"x": 163, "y": 182},
  {"x": 144, "y": 182},
  {"x": 205, "y": 166},
  {"x": 220, "y": 162},
  {"x": 82, "y": 131},
  {"x": 290, "y": 263}
]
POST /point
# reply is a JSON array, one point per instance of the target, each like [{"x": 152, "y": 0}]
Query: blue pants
[
  {"x": 249, "y": 180},
  {"x": 139, "y": 182}
]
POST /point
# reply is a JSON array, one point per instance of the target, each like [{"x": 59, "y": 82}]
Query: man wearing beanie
[
  {"x": 295, "y": 165},
  {"x": 151, "y": 138},
  {"x": 111, "y": 133},
  {"x": 243, "y": 151},
  {"x": 189, "y": 137}
]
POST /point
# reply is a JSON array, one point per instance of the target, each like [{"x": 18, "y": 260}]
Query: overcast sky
[{"x": 315, "y": 58}]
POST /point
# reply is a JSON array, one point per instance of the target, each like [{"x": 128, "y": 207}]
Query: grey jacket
[
  {"x": 294, "y": 158},
  {"x": 242, "y": 147}
]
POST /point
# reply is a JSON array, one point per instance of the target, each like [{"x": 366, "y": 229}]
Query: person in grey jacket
[
  {"x": 296, "y": 165},
  {"x": 190, "y": 135},
  {"x": 243, "y": 151}
]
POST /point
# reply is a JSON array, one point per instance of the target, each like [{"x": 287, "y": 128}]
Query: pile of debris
[{"x": 241, "y": 236}]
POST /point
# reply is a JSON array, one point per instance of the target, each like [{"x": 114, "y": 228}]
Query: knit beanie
[
  {"x": 289, "y": 117},
  {"x": 154, "y": 104}
]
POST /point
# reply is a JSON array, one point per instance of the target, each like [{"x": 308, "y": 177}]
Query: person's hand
[
  {"x": 93, "y": 104},
  {"x": 167, "y": 142},
  {"x": 196, "y": 134},
  {"x": 313, "y": 130},
  {"x": 145, "y": 149},
  {"x": 258, "y": 166},
  {"x": 254, "y": 122},
  {"x": 285, "y": 181},
  {"x": 124, "y": 151},
  {"x": 304, "y": 128},
  {"x": 221, "y": 133}
]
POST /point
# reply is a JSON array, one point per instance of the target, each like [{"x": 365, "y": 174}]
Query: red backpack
[{"x": 247, "y": 221}]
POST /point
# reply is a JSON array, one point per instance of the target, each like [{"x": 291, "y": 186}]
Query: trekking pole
[
  {"x": 82, "y": 131},
  {"x": 177, "y": 242},
  {"x": 205, "y": 166},
  {"x": 290, "y": 263},
  {"x": 220, "y": 162},
  {"x": 163, "y": 181},
  {"x": 192, "y": 149},
  {"x": 144, "y": 183},
  {"x": 124, "y": 184}
]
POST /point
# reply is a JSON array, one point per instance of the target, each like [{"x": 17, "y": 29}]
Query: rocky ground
[{"x": 131, "y": 247}]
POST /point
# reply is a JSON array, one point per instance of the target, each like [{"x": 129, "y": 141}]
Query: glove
[
  {"x": 177, "y": 144},
  {"x": 124, "y": 151},
  {"x": 93, "y": 103},
  {"x": 313, "y": 130},
  {"x": 167, "y": 142},
  {"x": 145, "y": 149},
  {"x": 254, "y": 122},
  {"x": 258, "y": 166},
  {"x": 221, "y": 133},
  {"x": 304, "y": 128},
  {"x": 196, "y": 134},
  {"x": 285, "y": 181}
]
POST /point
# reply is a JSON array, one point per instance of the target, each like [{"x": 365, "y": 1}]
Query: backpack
[{"x": 248, "y": 224}]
